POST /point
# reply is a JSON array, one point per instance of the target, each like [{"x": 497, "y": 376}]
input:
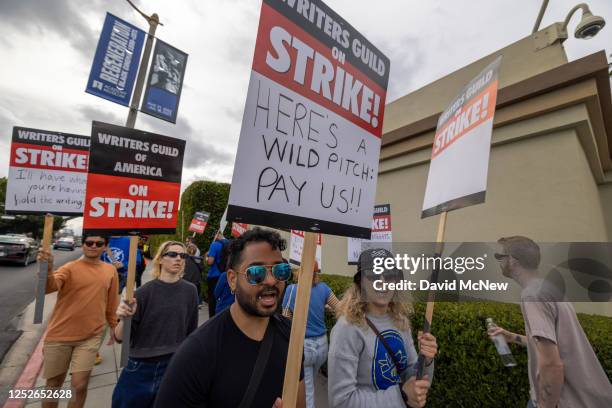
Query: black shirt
[
  {"x": 213, "y": 367},
  {"x": 193, "y": 270},
  {"x": 166, "y": 313}
]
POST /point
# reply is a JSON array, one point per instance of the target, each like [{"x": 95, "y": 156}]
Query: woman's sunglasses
[
  {"x": 98, "y": 244},
  {"x": 173, "y": 254},
  {"x": 256, "y": 274}
]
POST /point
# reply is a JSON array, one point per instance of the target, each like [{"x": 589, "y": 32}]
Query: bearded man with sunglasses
[
  {"x": 86, "y": 301},
  {"x": 237, "y": 358}
]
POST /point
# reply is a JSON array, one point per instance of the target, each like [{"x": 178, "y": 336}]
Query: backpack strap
[
  {"x": 260, "y": 365},
  {"x": 386, "y": 345}
]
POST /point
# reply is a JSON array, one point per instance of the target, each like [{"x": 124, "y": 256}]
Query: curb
[{"x": 23, "y": 361}]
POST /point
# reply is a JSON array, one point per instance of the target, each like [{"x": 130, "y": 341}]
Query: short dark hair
[
  {"x": 523, "y": 249},
  {"x": 104, "y": 237},
  {"x": 236, "y": 247}
]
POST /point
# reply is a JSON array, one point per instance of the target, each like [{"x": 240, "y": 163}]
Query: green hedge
[
  {"x": 206, "y": 196},
  {"x": 201, "y": 195},
  {"x": 469, "y": 373}
]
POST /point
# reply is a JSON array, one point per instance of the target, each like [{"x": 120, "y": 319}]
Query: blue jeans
[
  {"x": 315, "y": 354},
  {"x": 138, "y": 383},
  {"x": 530, "y": 404}
]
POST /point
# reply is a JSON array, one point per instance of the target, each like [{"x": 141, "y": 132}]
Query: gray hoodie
[{"x": 360, "y": 371}]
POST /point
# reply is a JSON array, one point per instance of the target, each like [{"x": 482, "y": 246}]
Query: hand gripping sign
[
  {"x": 133, "y": 183},
  {"x": 309, "y": 144}
]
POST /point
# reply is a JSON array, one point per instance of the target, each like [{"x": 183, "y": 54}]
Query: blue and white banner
[
  {"x": 165, "y": 82},
  {"x": 115, "y": 64}
]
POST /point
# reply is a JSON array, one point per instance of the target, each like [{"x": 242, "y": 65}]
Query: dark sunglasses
[
  {"x": 499, "y": 257},
  {"x": 98, "y": 244},
  {"x": 173, "y": 254},
  {"x": 256, "y": 274}
]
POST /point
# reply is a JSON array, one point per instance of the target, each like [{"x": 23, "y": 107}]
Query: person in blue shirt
[
  {"x": 223, "y": 294},
  {"x": 315, "y": 343},
  {"x": 119, "y": 247},
  {"x": 213, "y": 259}
]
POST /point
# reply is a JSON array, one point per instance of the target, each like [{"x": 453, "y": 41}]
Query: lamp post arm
[
  {"x": 583, "y": 6},
  {"x": 153, "y": 17},
  {"x": 536, "y": 26}
]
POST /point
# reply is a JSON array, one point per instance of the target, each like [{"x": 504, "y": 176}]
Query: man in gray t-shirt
[{"x": 563, "y": 368}]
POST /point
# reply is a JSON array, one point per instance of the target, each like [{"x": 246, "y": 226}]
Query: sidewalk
[{"x": 104, "y": 376}]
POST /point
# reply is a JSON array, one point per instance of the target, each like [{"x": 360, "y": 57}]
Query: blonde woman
[
  {"x": 164, "y": 313},
  {"x": 315, "y": 342},
  {"x": 372, "y": 358}
]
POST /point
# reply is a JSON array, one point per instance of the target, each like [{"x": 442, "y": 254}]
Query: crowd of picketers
[{"x": 237, "y": 357}]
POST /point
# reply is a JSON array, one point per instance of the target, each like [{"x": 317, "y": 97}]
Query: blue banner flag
[
  {"x": 115, "y": 64},
  {"x": 165, "y": 82}
]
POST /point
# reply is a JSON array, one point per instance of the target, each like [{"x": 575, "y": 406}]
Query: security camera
[{"x": 589, "y": 26}]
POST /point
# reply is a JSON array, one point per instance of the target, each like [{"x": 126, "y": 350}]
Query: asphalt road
[{"x": 17, "y": 290}]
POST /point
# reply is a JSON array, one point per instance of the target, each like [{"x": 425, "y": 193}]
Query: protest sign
[
  {"x": 47, "y": 173},
  {"x": 199, "y": 221},
  {"x": 115, "y": 63},
  {"x": 297, "y": 246},
  {"x": 381, "y": 234},
  {"x": 165, "y": 83},
  {"x": 462, "y": 143},
  {"x": 133, "y": 183},
  {"x": 310, "y": 139},
  {"x": 238, "y": 229}
]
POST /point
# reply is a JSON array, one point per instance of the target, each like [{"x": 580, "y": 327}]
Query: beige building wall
[{"x": 550, "y": 174}]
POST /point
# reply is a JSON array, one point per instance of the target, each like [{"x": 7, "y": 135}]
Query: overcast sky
[{"x": 47, "y": 48}]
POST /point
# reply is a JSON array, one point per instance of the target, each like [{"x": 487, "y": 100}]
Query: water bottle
[{"x": 501, "y": 345}]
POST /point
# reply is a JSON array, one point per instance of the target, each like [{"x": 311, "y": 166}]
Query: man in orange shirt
[{"x": 86, "y": 301}]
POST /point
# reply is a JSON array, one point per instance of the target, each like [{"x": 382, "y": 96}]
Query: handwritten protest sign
[
  {"x": 462, "y": 144},
  {"x": 297, "y": 246},
  {"x": 47, "y": 173},
  {"x": 381, "y": 234},
  {"x": 310, "y": 139},
  {"x": 238, "y": 229},
  {"x": 133, "y": 183},
  {"x": 199, "y": 221}
]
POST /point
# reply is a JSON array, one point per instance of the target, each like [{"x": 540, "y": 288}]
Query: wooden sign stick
[
  {"x": 431, "y": 295},
  {"x": 43, "y": 270},
  {"x": 298, "y": 325},
  {"x": 129, "y": 296}
]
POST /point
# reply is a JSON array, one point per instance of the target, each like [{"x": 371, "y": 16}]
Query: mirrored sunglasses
[{"x": 256, "y": 274}]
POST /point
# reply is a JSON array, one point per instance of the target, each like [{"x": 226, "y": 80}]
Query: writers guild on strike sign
[
  {"x": 139, "y": 190},
  {"x": 310, "y": 139},
  {"x": 47, "y": 173}
]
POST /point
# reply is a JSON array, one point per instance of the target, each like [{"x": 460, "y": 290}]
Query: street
[{"x": 17, "y": 288}]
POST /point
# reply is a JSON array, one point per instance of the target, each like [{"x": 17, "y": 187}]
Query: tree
[
  {"x": 208, "y": 196},
  {"x": 24, "y": 224}
]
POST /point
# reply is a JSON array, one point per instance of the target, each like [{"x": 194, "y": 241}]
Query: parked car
[
  {"x": 18, "y": 248},
  {"x": 64, "y": 243}
]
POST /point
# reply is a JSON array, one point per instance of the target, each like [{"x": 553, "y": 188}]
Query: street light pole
[{"x": 153, "y": 21}]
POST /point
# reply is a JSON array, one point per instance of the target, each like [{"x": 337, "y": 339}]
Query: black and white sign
[{"x": 310, "y": 140}]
